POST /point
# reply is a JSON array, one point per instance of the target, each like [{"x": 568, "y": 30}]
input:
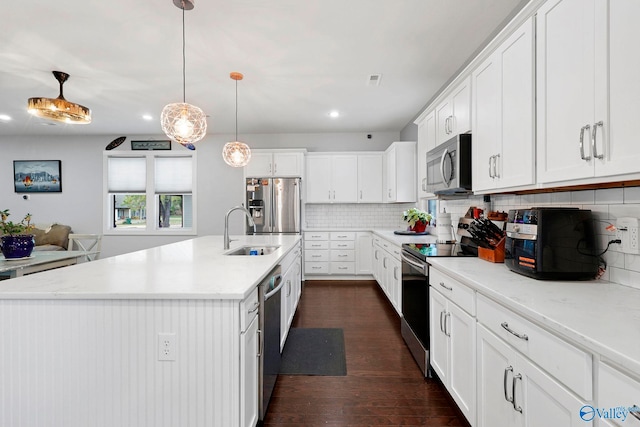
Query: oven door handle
[{"x": 420, "y": 266}]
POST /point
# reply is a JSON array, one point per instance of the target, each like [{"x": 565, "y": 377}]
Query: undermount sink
[{"x": 257, "y": 250}]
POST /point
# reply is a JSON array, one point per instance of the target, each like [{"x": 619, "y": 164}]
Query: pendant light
[
  {"x": 59, "y": 109},
  {"x": 182, "y": 122},
  {"x": 236, "y": 153}
]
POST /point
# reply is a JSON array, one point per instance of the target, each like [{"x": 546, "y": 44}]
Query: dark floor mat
[{"x": 314, "y": 351}]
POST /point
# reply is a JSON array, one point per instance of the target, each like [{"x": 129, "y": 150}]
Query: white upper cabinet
[
  {"x": 400, "y": 172},
  {"x": 621, "y": 154},
  {"x": 332, "y": 178},
  {"x": 370, "y": 178},
  {"x": 503, "y": 115},
  {"x": 453, "y": 115},
  {"x": 275, "y": 163},
  {"x": 344, "y": 178},
  {"x": 588, "y": 98},
  {"x": 426, "y": 141}
]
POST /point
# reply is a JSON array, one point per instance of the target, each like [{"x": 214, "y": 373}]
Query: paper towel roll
[{"x": 443, "y": 228}]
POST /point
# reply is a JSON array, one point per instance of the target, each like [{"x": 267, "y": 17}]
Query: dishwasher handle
[{"x": 276, "y": 283}]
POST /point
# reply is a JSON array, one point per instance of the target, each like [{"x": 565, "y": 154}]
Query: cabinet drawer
[
  {"x": 316, "y": 255},
  {"x": 316, "y": 268},
  {"x": 248, "y": 309},
  {"x": 316, "y": 235},
  {"x": 460, "y": 294},
  {"x": 290, "y": 258},
  {"x": 616, "y": 389},
  {"x": 346, "y": 255},
  {"x": 316, "y": 244},
  {"x": 569, "y": 364},
  {"x": 392, "y": 248},
  {"x": 342, "y": 235},
  {"x": 343, "y": 268},
  {"x": 343, "y": 245}
]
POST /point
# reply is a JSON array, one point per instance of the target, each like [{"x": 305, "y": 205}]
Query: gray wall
[{"x": 80, "y": 204}]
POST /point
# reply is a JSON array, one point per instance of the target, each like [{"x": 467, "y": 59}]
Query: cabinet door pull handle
[
  {"x": 254, "y": 308},
  {"x": 635, "y": 411},
  {"x": 424, "y": 184},
  {"x": 447, "y": 331},
  {"x": 441, "y": 316},
  {"x": 504, "y": 383},
  {"x": 395, "y": 273},
  {"x": 495, "y": 166},
  {"x": 445, "y": 286},
  {"x": 582, "y": 129},
  {"x": 505, "y": 325},
  {"x": 490, "y": 163},
  {"x": 260, "y": 343},
  {"x": 513, "y": 392},
  {"x": 594, "y": 149}
]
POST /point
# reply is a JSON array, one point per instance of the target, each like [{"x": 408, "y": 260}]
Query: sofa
[{"x": 54, "y": 237}]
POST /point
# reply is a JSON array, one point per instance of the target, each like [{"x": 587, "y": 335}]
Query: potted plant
[
  {"x": 417, "y": 219},
  {"x": 16, "y": 240}
]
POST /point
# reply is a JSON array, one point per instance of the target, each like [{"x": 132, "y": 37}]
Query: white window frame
[{"x": 151, "y": 228}]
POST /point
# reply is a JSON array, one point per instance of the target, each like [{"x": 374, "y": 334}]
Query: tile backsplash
[
  {"x": 607, "y": 204},
  {"x": 356, "y": 215}
]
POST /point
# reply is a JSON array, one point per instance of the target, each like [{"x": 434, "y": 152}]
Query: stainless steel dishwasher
[{"x": 269, "y": 326}]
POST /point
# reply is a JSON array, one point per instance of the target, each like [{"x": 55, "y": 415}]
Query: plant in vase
[
  {"x": 15, "y": 238},
  {"x": 417, "y": 219}
]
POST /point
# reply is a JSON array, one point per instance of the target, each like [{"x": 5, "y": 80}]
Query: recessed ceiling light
[
  {"x": 5, "y": 118},
  {"x": 147, "y": 116},
  {"x": 333, "y": 114}
]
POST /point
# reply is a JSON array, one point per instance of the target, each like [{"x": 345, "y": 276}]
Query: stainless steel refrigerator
[{"x": 274, "y": 204}]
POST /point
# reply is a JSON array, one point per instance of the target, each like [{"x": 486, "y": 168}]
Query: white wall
[{"x": 80, "y": 204}]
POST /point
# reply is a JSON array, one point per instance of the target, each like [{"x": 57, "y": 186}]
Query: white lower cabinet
[
  {"x": 249, "y": 344},
  {"x": 249, "y": 375},
  {"x": 452, "y": 351},
  {"x": 364, "y": 251},
  {"x": 290, "y": 293},
  {"x": 618, "y": 390},
  {"x": 337, "y": 253},
  {"x": 513, "y": 391},
  {"x": 387, "y": 270}
]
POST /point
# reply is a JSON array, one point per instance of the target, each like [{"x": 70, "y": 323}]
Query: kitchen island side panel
[{"x": 68, "y": 363}]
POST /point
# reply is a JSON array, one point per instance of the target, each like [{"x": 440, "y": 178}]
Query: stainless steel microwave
[{"x": 449, "y": 167}]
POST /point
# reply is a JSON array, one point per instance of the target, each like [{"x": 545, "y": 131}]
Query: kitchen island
[{"x": 81, "y": 346}]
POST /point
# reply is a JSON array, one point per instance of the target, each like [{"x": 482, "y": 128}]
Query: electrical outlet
[
  {"x": 167, "y": 346},
  {"x": 628, "y": 233}
]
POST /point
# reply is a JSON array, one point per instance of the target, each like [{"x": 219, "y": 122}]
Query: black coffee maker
[{"x": 552, "y": 243}]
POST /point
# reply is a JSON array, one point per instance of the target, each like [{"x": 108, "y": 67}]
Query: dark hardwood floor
[{"x": 383, "y": 386}]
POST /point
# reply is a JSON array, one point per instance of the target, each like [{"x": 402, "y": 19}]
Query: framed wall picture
[
  {"x": 151, "y": 145},
  {"x": 37, "y": 176}
]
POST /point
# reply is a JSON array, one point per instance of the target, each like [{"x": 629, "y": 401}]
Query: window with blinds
[{"x": 150, "y": 192}]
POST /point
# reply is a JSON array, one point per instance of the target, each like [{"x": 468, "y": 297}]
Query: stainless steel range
[{"x": 415, "y": 294}]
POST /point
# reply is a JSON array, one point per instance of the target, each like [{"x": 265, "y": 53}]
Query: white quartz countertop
[
  {"x": 598, "y": 315},
  {"x": 399, "y": 239},
  {"x": 389, "y": 235},
  {"x": 190, "y": 269}
]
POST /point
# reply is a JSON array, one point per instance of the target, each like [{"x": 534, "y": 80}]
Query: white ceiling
[{"x": 300, "y": 59}]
